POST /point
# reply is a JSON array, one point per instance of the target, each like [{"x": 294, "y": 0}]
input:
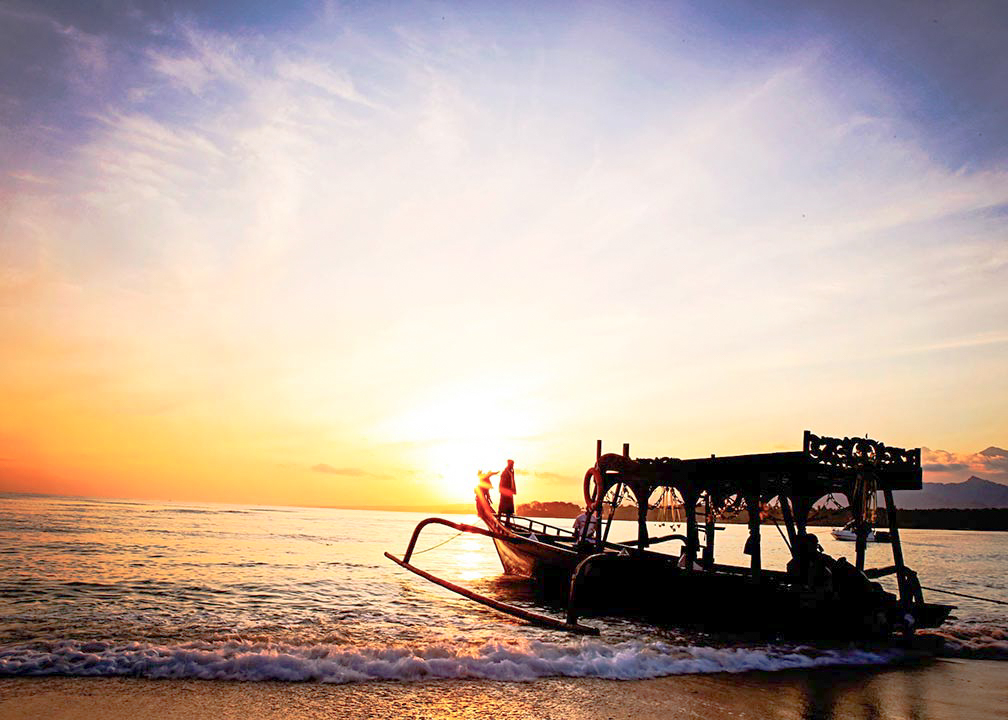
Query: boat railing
[
  {"x": 461, "y": 527},
  {"x": 537, "y": 526}
]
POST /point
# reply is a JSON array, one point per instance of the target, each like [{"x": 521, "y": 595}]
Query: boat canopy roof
[{"x": 824, "y": 465}]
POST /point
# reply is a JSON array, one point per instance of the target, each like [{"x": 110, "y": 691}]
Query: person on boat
[
  {"x": 848, "y": 581},
  {"x": 809, "y": 563},
  {"x": 507, "y": 490},
  {"x": 581, "y": 520}
]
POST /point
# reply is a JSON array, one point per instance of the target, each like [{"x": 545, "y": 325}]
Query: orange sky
[{"x": 352, "y": 261}]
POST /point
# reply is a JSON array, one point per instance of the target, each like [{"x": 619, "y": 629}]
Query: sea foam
[
  {"x": 974, "y": 640},
  {"x": 340, "y": 664}
]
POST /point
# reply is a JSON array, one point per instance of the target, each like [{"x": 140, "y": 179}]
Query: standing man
[{"x": 507, "y": 490}]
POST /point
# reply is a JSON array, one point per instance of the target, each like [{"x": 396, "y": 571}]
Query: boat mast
[{"x": 753, "y": 545}]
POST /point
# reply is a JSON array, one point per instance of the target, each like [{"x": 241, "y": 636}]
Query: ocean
[{"x": 184, "y": 591}]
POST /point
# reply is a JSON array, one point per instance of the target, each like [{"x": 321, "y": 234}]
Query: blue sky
[{"x": 943, "y": 65}]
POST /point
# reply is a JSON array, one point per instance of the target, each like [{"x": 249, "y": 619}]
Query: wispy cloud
[
  {"x": 545, "y": 475},
  {"x": 345, "y": 471},
  {"x": 337, "y": 83},
  {"x": 30, "y": 178}
]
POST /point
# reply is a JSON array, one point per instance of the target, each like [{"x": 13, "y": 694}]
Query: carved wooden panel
[{"x": 859, "y": 453}]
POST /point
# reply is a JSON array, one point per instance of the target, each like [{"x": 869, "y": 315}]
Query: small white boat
[{"x": 849, "y": 534}]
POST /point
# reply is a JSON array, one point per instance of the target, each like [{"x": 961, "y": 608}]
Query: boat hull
[
  {"x": 525, "y": 555},
  {"x": 728, "y": 599},
  {"x": 652, "y": 586},
  {"x": 532, "y": 561}
]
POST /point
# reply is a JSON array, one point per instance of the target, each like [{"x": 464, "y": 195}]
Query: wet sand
[{"x": 932, "y": 690}]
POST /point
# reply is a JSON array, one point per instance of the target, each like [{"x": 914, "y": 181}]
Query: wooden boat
[
  {"x": 817, "y": 594},
  {"x": 529, "y": 548}
]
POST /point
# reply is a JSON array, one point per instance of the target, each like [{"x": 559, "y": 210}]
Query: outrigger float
[{"x": 816, "y": 596}]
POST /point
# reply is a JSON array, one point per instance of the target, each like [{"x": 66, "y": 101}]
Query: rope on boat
[
  {"x": 971, "y": 597},
  {"x": 783, "y": 536},
  {"x": 432, "y": 547}
]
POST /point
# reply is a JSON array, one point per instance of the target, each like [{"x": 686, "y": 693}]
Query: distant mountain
[{"x": 974, "y": 493}]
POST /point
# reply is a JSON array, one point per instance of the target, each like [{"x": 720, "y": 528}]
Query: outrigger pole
[{"x": 507, "y": 609}]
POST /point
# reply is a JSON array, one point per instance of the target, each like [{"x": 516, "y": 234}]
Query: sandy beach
[{"x": 931, "y": 690}]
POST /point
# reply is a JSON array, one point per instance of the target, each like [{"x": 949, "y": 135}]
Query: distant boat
[{"x": 848, "y": 533}]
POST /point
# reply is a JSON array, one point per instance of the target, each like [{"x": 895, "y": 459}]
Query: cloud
[
  {"x": 995, "y": 459},
  {"x": 990, "y": 464},
  {"x": 344, "y": 471},
  {"x": 27, "y": 177},
  {"x": 204, "y": 58},
  {"x": 545, "y": 475},
  {"x": 944, "y": 467},
  {"x": 337, "y": 83}
]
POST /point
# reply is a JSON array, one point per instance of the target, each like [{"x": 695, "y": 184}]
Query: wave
[
  {"x": 186, "y": 511},
  {"x": 248, "y": 661},
  {"x": 989, "y": 642}
]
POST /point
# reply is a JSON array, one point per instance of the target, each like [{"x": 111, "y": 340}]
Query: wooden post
[
  {"x": 708, "y": 553},
  {"x": 755, "y": 560},
  {"x": 642, "y": 533},
  {"x": 800, "y": 506},
  {"x": 689, "y": 501},
  {"x": 857, "y": 508},
  {"x": 860, "y": 543},
  {"x": 603, "y": 536},
  {"x": 785, "y": 507},
  {"x": 897, "y": 549}
]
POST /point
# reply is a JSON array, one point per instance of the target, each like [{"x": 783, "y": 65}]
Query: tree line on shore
[{"x": 931, "y": 519}]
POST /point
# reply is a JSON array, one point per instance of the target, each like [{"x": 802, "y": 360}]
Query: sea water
[{"x": 175, "y": 590}]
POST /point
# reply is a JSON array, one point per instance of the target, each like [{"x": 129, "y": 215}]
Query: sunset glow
[{"x": 342, "y": 255}]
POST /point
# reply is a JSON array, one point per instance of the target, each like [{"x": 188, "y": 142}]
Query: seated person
[
  {"x": 848, "y": 581},
  {"x": 809, "y": 563},
  {"x": 593, "y": 527}
]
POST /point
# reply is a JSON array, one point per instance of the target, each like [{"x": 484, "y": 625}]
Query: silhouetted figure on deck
[
  {"x": 581, "y": 520},
  {"x": 809, "y": 564},
  {"x": 507, "y": 490}
]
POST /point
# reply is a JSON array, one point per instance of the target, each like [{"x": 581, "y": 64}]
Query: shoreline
[
  {"x": 940, "y": 689},
  {"x": 967, "y": 519}
]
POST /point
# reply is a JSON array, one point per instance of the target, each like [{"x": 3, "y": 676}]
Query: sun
[
  {"x": 462, "y": 431},
  {"x": 455, "y": 466}
]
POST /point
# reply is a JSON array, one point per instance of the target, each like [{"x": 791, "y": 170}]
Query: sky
[{"x": 351, "y": 254}]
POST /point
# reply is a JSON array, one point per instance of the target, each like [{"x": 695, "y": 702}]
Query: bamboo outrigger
[{"x": 816, "y": 595}]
